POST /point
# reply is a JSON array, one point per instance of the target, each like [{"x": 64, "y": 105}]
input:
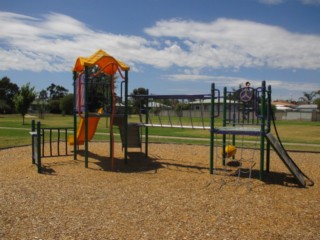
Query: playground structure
[
  {"x": 248, "y": 112},
  {"x": 245, "y": 112},
  {"x": 94, "y": 91}
]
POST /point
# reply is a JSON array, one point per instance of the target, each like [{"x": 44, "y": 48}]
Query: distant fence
[
  {"x": 298, "y": 115},
  {"x": 280, "y": 115}
]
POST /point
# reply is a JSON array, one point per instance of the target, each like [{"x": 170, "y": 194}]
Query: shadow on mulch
[
  {"x": 275, "y": 178},
  {"x": 137, "y": 162},
  {"x": 183, "y": 167},
  {"x": 272, "y": 178},
  {"x": 46, "y": 170}
]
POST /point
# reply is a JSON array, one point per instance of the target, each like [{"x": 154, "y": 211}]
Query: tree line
[
  {"x": 15, "y": 99},
  {"x": 57, "y": 99}
]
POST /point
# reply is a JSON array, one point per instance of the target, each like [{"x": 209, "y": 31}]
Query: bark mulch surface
[{"x": 169, "y": 195}]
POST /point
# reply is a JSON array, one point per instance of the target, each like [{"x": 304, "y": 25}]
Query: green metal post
[
  {"x": 86, "y": 116},
  {"x": 75, "y": 114},
  {"x": 233, "y": 124},
  {"x": 33, "y": 128},
  {"x": 147, "y": 121},
  {"x": 126, "y": 116},
  {"x": 111, "y": 123},
  {"x": 212, "y": 127},
  {"x": 224, "y": 122},
  {"x": 262, "y": 131},
  {"x": 268, "y": 129},
  {"x": 39, "y": 147}
]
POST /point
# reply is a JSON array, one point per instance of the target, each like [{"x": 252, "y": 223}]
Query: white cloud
[
  {"x": 234, "y": 43},
  {"x": 188, "y": 77},
  {"x": 311, "y": 2},
  {"x": 276, "y": 2},
  {"x": 272, "y": 2},
  {"x": 232, "y": 82},
  {"x": 55, "y": 41}
]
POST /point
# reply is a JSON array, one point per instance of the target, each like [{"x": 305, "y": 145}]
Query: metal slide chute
[{"x": 287, "y": 160}]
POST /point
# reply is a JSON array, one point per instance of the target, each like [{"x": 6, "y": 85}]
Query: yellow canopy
[{"x": 106, "y": 63}]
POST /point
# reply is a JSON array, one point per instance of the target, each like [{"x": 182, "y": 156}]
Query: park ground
[{"x": 169, "y": 195}]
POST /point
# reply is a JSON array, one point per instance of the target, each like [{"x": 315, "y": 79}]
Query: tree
[
  {"x": 24, "y": 99},
  {"x": 66, "y": 104},
  {"x": 54, "y": 106},
  {"x": 56, "y": 91},
  {"x": 42, "y": 102},
  {"x": 317, "y": 100},
  {"x": 136, "y": 103},
  {"x": 43, "y": 95},
  {"x": 308, "y": 97},
  {"x": 7, "y": 91}
]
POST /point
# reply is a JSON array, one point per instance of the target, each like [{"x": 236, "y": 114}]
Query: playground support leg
[
  {"x": 110, "y": 141},
  {"x": 146, "y": 128},
  {"x": 147, "y": 141},
  {"x": 126, "y": 117},
  {"x": 262, "y": 131},
  {"x": 268, "y": 157},
  {"x": 212, "y": 127},
  {"x": 86, "y": 122},
  {"x": 33, "y": 128},
  {"x": 224, "y": 124},
  {"x": 268, "y": 128},
  {"x": 38, "y": 147},
  {"x": 75, "y": 116}
]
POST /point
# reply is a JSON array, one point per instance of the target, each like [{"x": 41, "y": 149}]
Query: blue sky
[{"x": 171, "y": 46}]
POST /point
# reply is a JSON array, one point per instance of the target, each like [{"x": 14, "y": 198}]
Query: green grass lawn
[{"x": 14, "y": 133}]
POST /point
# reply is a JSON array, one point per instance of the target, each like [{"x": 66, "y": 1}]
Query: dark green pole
[
  {"x": 126, "y": 116},
  {"x": 111, "y": 122},
  {"x": 262, "y": 131},
  {"x": 86, "y": 116},
  {"x": 39, "y": 147},
  {"x": 147, "y": 121},
  {"x": 269, "y": 100},
  {"x": 224, "y": 122},
  {"x": 212, "y": 127},
  {"x": 75, "y": 113},
  {"x": 233, "y": 124},
  {"x": 33, "y": 129}
]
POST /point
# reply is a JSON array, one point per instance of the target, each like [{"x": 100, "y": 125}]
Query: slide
[
  {"x": 92, "y": 126},
  {"x": 282, "y": 153},
  {"x": 134, "y": 138}
]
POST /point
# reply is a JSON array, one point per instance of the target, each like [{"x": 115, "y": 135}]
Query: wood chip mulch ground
[{"x": 170, "y": 195}]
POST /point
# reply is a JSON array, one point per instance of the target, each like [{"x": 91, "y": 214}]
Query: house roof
[{"x": 283, "y": 104}]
